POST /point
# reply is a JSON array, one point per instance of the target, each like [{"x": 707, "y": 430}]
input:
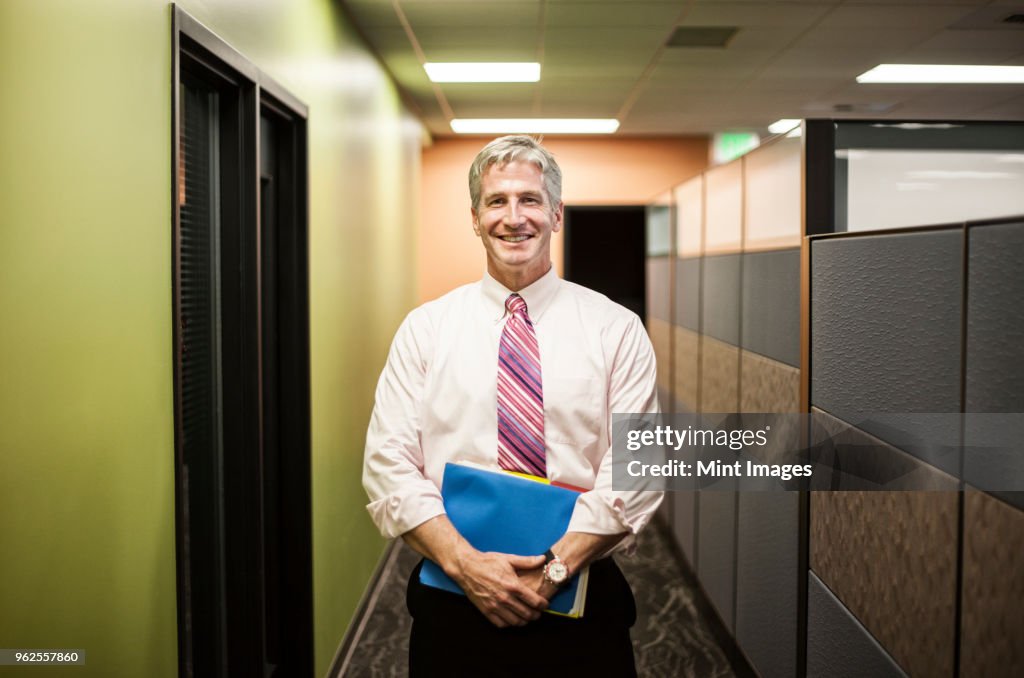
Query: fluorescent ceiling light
[
  {"x": 781, "y": 126},
  {"x": 534, "y": 125},
  {"x": 934, "y": 73},
  {"x": 483, "y": 72}
]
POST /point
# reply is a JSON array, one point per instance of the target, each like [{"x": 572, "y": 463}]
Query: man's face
[{"x": 515, "y": 220}]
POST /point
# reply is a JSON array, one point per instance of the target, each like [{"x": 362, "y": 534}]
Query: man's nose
[{"x": 513, "y": 215}]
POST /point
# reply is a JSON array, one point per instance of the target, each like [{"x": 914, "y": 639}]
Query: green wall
[{"x": 86, "y": 421}]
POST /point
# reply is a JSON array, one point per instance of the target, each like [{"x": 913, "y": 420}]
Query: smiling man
[{"x": 520, "y": 371}]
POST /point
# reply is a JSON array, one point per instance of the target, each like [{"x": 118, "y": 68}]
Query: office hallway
[{"x": 673, "y": 636}]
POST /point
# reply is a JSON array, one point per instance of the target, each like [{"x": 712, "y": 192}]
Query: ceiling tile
[
  {"x": 823, "y": 63},
  {"x": 959, "y": 39},
  {"x": 863, "y": 39},
  {"x": 715, "y": 58},
  {"x": 764, "y": 38},
  {"x": 437, "y": 38},
  {"x": 611, "y": 101},
  {"x": 579, "y": 109},
  {"x": 370, "y": 14},
  {"x": 389, "y": 39},
  {"x": 464, "y": 96},
  {"x": 963, "y": 99},
  {"x": 937, "y": 17},
  {"x": 569, "y": 62},
  {"x": 794, "y": 84},
  {"x": 478, "y": 53},
  {"x": 996, "y": 55},
  {"x": 613, "y": 14},
  {"x": 599, "y": 38},
  {"x": 588, "y": 83},
  {"x": 493, "y": 109},
  {"x": 746, "y": 14},
  {"x": 916, "y": 2},
  {"x": 671, "y": 81},
  {"x": 1011, "y": 109},
  {"x": 493, "y": 15}
]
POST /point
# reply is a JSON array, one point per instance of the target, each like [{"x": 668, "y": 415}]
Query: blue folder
[{"x": 508, "y": 513}]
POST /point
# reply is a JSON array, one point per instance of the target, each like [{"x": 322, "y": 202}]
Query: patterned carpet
[{"x": 673, "y": 636}]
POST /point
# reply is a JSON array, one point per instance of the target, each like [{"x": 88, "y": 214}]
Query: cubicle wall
[
  {"x": 735, "y": 346},
  {"x": 924, "y": 321},
  {"x": 659, "y": 292},
  {"x": 919, "y": 320},
  {"x": 916, "y": 320}
]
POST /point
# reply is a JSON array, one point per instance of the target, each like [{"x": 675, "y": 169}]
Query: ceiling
[{"x": 603, "y": 59}]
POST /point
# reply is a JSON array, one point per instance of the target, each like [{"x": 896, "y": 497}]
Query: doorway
[
  {"x": 241, "y": 326},
  {"x": 605, "y": 250}
]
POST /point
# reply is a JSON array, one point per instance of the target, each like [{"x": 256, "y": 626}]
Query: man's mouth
[{"x": 514, "y": 238}]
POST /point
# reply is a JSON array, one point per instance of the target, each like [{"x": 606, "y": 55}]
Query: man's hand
[
  {"x": 492, "y": 583},
  {"x": 535, "y": 581},
  {"x": 490, "y": 580}
]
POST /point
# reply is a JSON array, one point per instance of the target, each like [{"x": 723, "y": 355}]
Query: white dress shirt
[{"x": 436, "y": 401}]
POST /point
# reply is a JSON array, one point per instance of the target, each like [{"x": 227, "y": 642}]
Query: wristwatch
[{"x": 556, "y": 572}]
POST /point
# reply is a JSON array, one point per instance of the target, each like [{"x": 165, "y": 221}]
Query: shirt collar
[{"x": 538, "y": 295}]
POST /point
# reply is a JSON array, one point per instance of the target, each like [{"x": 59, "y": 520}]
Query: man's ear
[
  {"x": 559, "y": 216},
  {"x": 476, "y": 224}
]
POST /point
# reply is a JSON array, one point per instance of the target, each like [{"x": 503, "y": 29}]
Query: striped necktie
[{"x": 520, "y": 394}]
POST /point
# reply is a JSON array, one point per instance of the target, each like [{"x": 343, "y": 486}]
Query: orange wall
[{"x": 595, "y": 172}]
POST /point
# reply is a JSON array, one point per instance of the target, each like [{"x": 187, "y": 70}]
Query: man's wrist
[
  {"x": 556, "y": 571},
  {"x": 455, "y": 558}
]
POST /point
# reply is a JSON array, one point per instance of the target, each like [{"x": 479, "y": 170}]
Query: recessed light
[
  {"x": 948, "y": 74},
  {"x": 783, "y": 126},
  {"x": 534, "y": 125},
  {"x": 483, "y": 72}
]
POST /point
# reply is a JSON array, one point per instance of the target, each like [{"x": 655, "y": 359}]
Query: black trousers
[{"x": 451, "y": 638}]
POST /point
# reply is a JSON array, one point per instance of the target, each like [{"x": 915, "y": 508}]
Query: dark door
[
  {"x": 605, "y": 250},
  {"x": 241, "y": 367}
]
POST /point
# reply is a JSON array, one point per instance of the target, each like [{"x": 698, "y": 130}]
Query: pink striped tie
[{"x": 520, "y": 394}]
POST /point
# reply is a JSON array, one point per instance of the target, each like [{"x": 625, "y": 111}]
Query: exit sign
[{"x": 726, "y": 146}]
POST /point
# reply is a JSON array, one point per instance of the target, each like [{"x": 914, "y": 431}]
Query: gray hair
[{"x": 516, "y": 148}]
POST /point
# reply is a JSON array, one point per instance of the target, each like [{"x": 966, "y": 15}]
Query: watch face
[{"x": 557, "y": 571}]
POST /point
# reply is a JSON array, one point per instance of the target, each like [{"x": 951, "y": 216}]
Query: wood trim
[{"x": 805, "y": 326}]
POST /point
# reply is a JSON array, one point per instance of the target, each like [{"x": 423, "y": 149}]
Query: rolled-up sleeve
[
  {"x": 632, "y": 388},
  {"x": 401, "y": 496}
]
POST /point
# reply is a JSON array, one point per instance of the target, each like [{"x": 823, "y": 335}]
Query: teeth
[{"x": 515, "y": 238}]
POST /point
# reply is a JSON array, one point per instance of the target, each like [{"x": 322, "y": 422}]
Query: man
[{"x": 519, "y": 371}]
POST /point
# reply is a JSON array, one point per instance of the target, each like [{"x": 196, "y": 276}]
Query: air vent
[
  {"x": 702, "y": 36},
  {"x": 993, "y": 18}
]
